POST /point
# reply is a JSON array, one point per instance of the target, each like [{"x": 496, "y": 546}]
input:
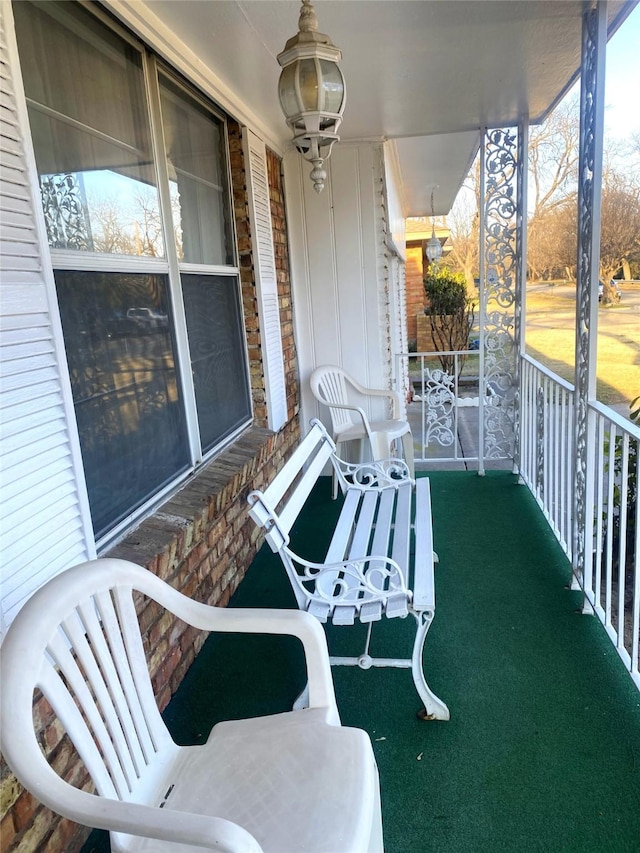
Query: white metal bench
[
  {"x": 370, "y": 569},
  {"x": 278, "y": 784}
]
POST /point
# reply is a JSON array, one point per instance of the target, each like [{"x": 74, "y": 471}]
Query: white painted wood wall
[{"x": 347, "y": 274}]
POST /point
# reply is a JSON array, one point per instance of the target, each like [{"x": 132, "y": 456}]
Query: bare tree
[
  {"x": 110, "y": 235},
  {"x": 620, "y": 224},
  {"x": 464, "y": 226},
  {"x": 553, "y": 165}
]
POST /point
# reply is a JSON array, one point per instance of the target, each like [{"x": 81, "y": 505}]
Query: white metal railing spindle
[
  {"x": 635, "y": 625},
  {"x": 561, "y": 475},
  {"x": 599, "y": 504},
  {"x": 622, "y": 539},
  {"x": 609, "y": 467}
]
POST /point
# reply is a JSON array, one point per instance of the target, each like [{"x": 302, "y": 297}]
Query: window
[{"x": 134, "y": 180}]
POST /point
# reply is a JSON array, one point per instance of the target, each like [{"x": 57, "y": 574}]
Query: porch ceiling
[{"x": 424, "y": 72}]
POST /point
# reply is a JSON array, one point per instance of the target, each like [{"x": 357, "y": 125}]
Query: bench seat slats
[
  {"x": 382, "y": 532},
  {"x": 397, "y": 607},
  {"x": 341, "y": 537},
  {"x": 424, "y": 594},
  {"x": 371, "y": 611},
  {"x": 402, "y": 529},
  {"x": 343, "y": 615},
  {"x": 362, "y": 533},
  {"x": 319, "y": 609}
]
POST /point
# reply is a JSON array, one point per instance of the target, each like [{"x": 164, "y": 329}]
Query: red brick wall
[
  {"x": 200, "y": 541},
  {"x": 414, "y": 287}
]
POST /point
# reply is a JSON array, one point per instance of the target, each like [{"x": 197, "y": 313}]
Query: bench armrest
[
  {"x": 380, "y": 474},
  {"x": 362, "y": 575}
]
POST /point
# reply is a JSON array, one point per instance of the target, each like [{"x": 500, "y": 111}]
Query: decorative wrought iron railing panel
[{"x": 501, "y": 224}]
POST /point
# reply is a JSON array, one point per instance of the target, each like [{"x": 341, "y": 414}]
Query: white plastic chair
[
  {"x": 285, "y": 783},
  {"x": 341, "y": 393}
]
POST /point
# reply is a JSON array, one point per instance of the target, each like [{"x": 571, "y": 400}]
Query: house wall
[
  {"x": 415, "y": 287},
  {"x": 200, "y": 540},
  {"x": 344, "y": 288}
]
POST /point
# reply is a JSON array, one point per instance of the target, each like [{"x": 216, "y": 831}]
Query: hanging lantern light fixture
[
  {"x": 434, "y": 246},
  {"x": 312, "y": 92}
]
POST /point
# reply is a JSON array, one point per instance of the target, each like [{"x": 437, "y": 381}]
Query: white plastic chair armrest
[
  {"x": 259, "y": 621},
  {"x": 360, "y": 411},
  {"x": 211, "y": 833},
  {"x": 391, "y": 394}
]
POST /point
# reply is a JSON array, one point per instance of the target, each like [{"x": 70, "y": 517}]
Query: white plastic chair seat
[
  {"x": 383, "y": 433},
  {"x": 269, "y": 775}
]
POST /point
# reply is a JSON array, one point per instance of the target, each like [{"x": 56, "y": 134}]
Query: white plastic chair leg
[
  {"x": 407, "y": 446},
  {"x": 303, "y": 699}
]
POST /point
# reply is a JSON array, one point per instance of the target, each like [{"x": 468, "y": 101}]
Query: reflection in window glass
[
  {"x": 194, "y": 143},
  {"x": 121, "y": 359},
  {"x": 90, "y": 129},
  {"x": 214, "y": 323}
]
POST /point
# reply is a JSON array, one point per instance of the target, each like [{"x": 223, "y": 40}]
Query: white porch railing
[
  {"x": 444, "y": 409},
  {"x": 611, "y": 580},
  {"x": 547, "y": 446},
  {"x": 446, "y": 416}
]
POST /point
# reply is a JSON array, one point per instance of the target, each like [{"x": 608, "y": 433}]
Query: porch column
[
  {"x": 594, "y": 37},
  {"x": 503, "y": 176},
  {"x": 521, "y": 280}
]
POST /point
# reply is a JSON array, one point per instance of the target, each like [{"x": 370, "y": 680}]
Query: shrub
[{"x": 451, "y": 313}]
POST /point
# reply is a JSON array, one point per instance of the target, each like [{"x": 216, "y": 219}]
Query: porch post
[
  {"x": 594, "y": 37},
  {"x": 499, "y": 235},
  {"x": 521, "y": 280},
  {"x": 482, "y": 301}
]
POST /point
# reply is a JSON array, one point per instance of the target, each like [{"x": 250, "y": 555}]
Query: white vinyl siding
[
  {"x": 266, "y": 280},
  {"x": 44, "y": 518}
]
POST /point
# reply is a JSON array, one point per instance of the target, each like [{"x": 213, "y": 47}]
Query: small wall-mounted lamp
[
  {"x": 312, "y": 92},
  {"x": 434, "y": 246}
]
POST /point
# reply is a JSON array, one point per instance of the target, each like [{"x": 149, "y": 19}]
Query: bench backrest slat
[
  {"x": 291, "y": 509},
  {"x": 315, "y": 451}
]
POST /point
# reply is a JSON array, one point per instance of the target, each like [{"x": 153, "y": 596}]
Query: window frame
[{"x": 170, "y": 265}]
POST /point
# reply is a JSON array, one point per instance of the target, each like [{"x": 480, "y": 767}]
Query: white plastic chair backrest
[
  {"x": 78, "y": 640},
  {"x": 329, "y": 385}
]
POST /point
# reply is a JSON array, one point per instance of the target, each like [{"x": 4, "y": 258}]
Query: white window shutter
[
  {"x": 266, "y": 281},
  {"x": 44, "y": 516}
]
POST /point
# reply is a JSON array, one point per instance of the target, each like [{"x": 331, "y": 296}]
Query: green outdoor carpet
[{"x": 542, "y": 752}]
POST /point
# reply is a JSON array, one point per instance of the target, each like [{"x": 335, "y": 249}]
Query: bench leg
[{"x": 434, "y": 708}]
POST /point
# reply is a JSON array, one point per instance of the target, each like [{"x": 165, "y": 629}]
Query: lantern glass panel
[
  {"x": 332, "y": 86},
  {"x": 308, "y": 80},
  {"x": 287, "y": 91}
]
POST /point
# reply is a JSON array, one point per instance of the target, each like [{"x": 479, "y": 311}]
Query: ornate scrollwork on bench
[{"x": 372, "y": 475}]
